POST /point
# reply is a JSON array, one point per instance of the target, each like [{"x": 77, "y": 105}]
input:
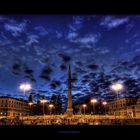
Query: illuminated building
[
  {"x": 12, "y": 107},
  {"x": 119, "y": 107},
  {"x": 134, "y": 110}
]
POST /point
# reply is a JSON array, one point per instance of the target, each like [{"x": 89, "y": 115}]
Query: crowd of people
[{"x": 65, "y": 121}]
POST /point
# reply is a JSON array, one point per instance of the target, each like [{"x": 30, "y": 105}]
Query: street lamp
[
  {"x": 117, "y": 87},
  {"x": 25, "y": 87},
  {"x": 104, "y": 104},
  {"x": 30, "y": 104},
  {"x": 43, "y": 101},
  {"x": 93, "y": 101},
  {"x": 51, "y": 106},
  {"x": 84, "y": 106}
]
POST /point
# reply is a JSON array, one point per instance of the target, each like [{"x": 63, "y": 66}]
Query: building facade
[
  {"x": 134, "y": 110},
  {"x": 125, "y": 107},
  {"x": 12, "y": 107},
  {"x": 120, "y": 107}
]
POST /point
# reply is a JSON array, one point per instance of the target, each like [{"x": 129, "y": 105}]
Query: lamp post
[
  {"x": 104, "y": 104},
  {"x": 84, "y": 106},
  {"x": 24, "y": 87},
  {"x": 30, "y": 104},
  {"x": 51, "y": 106},
  {"x": 43, "y": 101},
  {"x": 117, "y": 87},
  {"x": 93, "y": 101}
]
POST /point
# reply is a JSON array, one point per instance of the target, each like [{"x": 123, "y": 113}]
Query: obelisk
[{"x": 69, "y": 107}]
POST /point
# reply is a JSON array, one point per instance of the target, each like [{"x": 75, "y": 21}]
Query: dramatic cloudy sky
[{"x": 38, "y": 48}]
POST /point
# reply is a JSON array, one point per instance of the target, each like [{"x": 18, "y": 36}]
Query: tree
[
  {"x": 57, "y": 102},
  {"x": 30, "y": 99},
  {"x": 59, "y": 105}
]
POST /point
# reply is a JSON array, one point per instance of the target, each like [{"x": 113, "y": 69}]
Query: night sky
[{"x": 101, "y": 50}]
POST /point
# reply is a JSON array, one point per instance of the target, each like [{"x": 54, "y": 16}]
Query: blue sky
[{"x": 38, "y": 48}]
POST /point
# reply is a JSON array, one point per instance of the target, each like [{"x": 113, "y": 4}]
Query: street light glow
[
  {"x": 51, "y": 105},
  {"x": 84, "y": 105},
  {"x": 43, "y": 101},
  {"x": 30, "y": 103},
  {"x": 25, "y": 87},
  {"x": 93, "y": 101},
  {"x": 104, "y": 103},
  {"x": 117, "y": 86}
]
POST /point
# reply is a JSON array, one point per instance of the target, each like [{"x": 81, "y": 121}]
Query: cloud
[
  {"x": 74, "y": 77},
  {"x": 58, "y": 34},
  {"x": 79, "y": 70},
  {"x": 70, "y": 51},
  {"x": 2, "y": 18},
  {"x": 111, "y": 22},
  {"x": 4, "y": 40},
  {"x": 76, "y": 88},
  {"x": 137, "y": 42},
  {"x": 41, "y": 30},
  {"x": 15, "y": 28},
  {"x": 133, "y": 38},
  {"x": 88, "y": 40},
  {"x": 29, "y": 73},
  {"x": 92, "y": 66},
  {"x": 40, "y": 91},
  {"x": 39, "y": 51},
  {"x": 105, "y": 51},
  {"x": 72, "y": 35},
  {"x": 32, "y": 39},
  {"x": 77, "y": 23},
  {"x": 45, "y": 73},
  {"x": 87, "y": 76},
  {"x": 54, "y": 84},
  {"x": 129, "y": 27},
  {"x": 16, "y": 68},
  {"x": 79, "y": 63},
  {"x": 65, "y": 58},
  {"x": 137, "y": 50},
  {"x": 84, "y": 81},
  {"x": 77, "y": 20},
  {"x": 63, "y": 67}
]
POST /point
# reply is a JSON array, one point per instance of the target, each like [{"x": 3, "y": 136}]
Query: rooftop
[{"x": 19, "y": 99}]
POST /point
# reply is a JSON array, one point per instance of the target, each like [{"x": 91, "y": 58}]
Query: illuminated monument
[{"x": 69, "y": 106}]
